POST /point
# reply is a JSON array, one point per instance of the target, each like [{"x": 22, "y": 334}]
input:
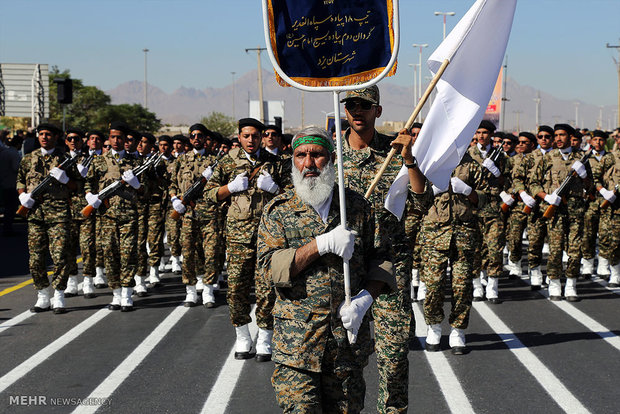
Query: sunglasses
[
  {"x": 353, "y": 105},
  {"x": 107, "y": 146},
  {"x": 523, "y": 142},
  {"x": 197, "y": 135},
  {"x": 543, "y": 136},
  {"x": 268, "y": 134},
  {"x": 72, "y": 138}
]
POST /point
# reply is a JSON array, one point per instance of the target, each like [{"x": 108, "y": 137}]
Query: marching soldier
[{"x": 49, "y": 217}]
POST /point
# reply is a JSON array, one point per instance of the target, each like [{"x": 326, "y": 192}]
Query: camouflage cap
[{"x": 370, "y": 94}]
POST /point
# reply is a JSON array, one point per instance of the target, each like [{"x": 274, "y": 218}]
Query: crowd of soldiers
[{"x": 268, "y": 213}]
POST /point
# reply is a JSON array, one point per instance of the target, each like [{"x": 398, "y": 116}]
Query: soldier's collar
[
  {"x": 121, "y": 153},
  {"x": 566, "y": 150},
  {"x": 47, "y": 152},
  {"x": 199, "y": 152}
]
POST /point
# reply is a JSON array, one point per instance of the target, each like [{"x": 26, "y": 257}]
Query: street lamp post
[
  {"x": 444, "y": 14},
  {"x": 537, "y": 100},
  {"x": 415, "y": 81},
  {"x": 233, "y": 94},
  {"x": 576, "y": 115},
  {"x": 421, "y": 46},
  {"x": 146, "y": 102}
]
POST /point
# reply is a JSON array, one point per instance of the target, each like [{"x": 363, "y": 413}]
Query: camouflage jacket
[
  {"x": 607, "y": 174},
  {"x": 184, "y": 172},
  {"x": 598, "y": 168},
  {"x": 105, "y": 170},
  {"x": 492, "y": 185},
  {"x": 53, "y": 205},
  {"x": 306, "y": 308},
  {"x": 246, "y": 206},
  {"x": 78, "y": 202},
  {"x": 514, "y": 167}
]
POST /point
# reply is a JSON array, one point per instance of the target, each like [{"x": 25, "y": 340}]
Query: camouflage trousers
[
  {"x": 412, "y": 229},
  {"x": 536, "y": 234},
  {"x": 82, "y": 240},
  {"x": 591, "y": 221},
  {"x": 198, "y": 246},
  {"x": 609, "y": 236},
  {"x": 489, "y": 254},
  {"x": 173, "y": 231},
  {"x": 120, "y": 241},
  {"x": 339, "y": 388},
  {"x": 456, "y": 245},
  {"x": 151, "y": 231},
  {"x": 99, "y": 262},
  {"x": 565, "y": 233},
  {"x": 52, "y": 237},
  {"x": 517, "y": 223},
  {"x": 221, "y": 239}
]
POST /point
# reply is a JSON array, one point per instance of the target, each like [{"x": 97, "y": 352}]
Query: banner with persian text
[{"x": 331, "y": 42}]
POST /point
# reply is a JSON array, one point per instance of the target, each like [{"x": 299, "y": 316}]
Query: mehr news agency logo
[{"x": 43, "y": 400}]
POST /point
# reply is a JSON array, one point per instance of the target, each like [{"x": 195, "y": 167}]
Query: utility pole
[
  {"x": 576, "y": 115},
  {"x": 233, "y": 94},
  {"x": 444, "y": 14},
  {"x": 518, "y": 120},
  {"x": 421, "y": 46},
  {"x": 504, "y": 99},
  {"x": 146, "y": 102},
  {"x": 618, "y": 69},
  {"x": 537, "y": 100},
  {"x": 260, "y": 81},
  {"x": 599, "y": 122},
  {"x": 415, "y": 81}
]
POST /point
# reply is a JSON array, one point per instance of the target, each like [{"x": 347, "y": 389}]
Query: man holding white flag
[{"x": 474, "y": 50}]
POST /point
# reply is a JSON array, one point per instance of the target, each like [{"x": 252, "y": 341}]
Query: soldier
[
  {"x": 120, "y": 220},
  {"x": 49, "y": 217},
  {"x": 173, "y": 227},
  {"x": 250, "y": 178},
  {"x": 199, "y": 228},
  {"x": 565, "y": 228},
  {"x": 300, "y": 246},
  {"x": 489, "y": 254},
  {"x": 451, "y": 234},
  {"x": 132, "y": 140},
  {"x": 170, "y": 225},
  {"x": 593, "y": 212},
  {"x": 272, "y": 140},
  {"x": 364, "y": 151},
  {"x": 509, "y": 145},
  {"x": 178, "y": 145}
]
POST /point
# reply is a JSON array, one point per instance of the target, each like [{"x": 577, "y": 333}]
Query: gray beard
[{"x": 314, "y": 190}]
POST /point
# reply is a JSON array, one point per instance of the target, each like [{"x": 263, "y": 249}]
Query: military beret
[
  {"x": 227, "y": 142},
  {"x": 120, "y": 126},
  {"x": 201, "y": 128},
  {"x": 151, "y": 138},
  {"x": 133, "y": 133},
  {"x": 166, "y": 138},
  {"x": 529, "y": 136},
  {"x": 275, "y": 128},
  {"x": 545, "y": 128},
  {"x": 216, "y": 136},
  {"x": 498, "y": 134},
  {"x": 95, "y": 132},
  {"x": 599, "y": 133},
  {"x": 73, "y": 130},
  {"x": 564, "y": 127},
  {"x": 416, "y": 125},
  {"x": 488, "y": 125},
  {"x": 234, "y": 139},
  {"x": 180, "y": 137},
  {"x": 243, "y": 122},
  {"x": 370, "y": 94},
  {"x": 46, "y": 126}
]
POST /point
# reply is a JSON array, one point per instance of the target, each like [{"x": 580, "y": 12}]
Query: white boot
[
  {"x": 614, "y": 279},
  {"x": 243, "y": 344},
  {"x": 126, "y": 300},
  {"x": 100, "y": 279},
  {"x": 199, "y": 284},
  {"x": 515, "y": 268},
  {"x": 191, "y": 297},
  {"x": 603, "y": 267},
  {"x": 88, "y": 287},
  {"x": 505, "y": 254},
  {"x": 564, "y": 257},
  {"x": 492, "y": 290},
  {"x": 162, "y": 265},
  {"x": 116, "y": 300},
  {"x": 263, "y": 345},
  {"x": 154, "y": 276},
  {"x": 422, "y": 292},
  {"x": 536, "y": 278},
  {"x": 478, "y": 290},
  {"x": 587, "y": 267},
  {"x": 457, "y": 341},
  {"x": 555, "y": 289},
  {"x": 433, "y": 337},
  {"x": 208, "y": 298},
  {"x": 176, "y": 265},
  {"x": 72, "y": 286},
  {"x": 140, "y": 286},
  {"x": 415, "y": 278},
  {"x": 570, "y": 290},
  {"x": 43, "y": 301},
  {"x": 545, "y": 248},
  {"x": 483, "y": 277},
  {"x": 58, "y": 303}
]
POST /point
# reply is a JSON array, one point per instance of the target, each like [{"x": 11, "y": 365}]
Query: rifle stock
[
  {"x": 23, "y": 211},
  {"x": 527, "y": 209},
  {"x": 175, "y": 215},
  {"x": 88, "y": 210},
  {"x": 550, "y": 211}
]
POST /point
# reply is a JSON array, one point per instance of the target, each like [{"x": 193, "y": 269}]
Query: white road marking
[
  {"x": 15, "y": 321},
  {"x": 32, "y": 362},
  {"x": 120, "y": 374}
]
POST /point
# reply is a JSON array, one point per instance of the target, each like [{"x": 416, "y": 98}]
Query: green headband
[{"x": 313, "y": 139}]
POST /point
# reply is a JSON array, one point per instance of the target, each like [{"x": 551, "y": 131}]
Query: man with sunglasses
[
  {"x": 364, "y": 151},
  {"x": 131, "y": 143}
]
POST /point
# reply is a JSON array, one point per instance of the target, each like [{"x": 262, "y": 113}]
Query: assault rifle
[
  {"x": 606, "y": 203},
  {"x": 565, "y": 186},
  {"x": 45, "y": 185},
  {"x": 118, "y": 187}
]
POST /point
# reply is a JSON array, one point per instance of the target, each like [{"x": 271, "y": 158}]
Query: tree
[
  {"x": 221, "y": 123},
  {"x": 136, "y": 116}
]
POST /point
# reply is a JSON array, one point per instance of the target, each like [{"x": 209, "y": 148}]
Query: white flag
[{"x": 475, "y": 49}]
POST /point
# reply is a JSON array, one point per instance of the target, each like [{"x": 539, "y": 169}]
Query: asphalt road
[{"x": 528, "y": 354}]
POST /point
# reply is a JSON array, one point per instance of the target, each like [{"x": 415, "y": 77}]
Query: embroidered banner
[{"x": 331, "y": 42}]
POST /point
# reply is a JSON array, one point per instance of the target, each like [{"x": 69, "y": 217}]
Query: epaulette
[{"x": 279, "y": 199}]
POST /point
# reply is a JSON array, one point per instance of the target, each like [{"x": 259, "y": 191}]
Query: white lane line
[
  {"x": 554, "y": 387},
  {"x": 448, "y": 382},
  {"x": 120, "y": 374},
  {"x": 15, "y": 321},
  {"x": 32, "y": 362},
  {"x": 227, "y": 379}
]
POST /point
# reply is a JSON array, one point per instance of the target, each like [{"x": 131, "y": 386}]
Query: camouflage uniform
[
  {"x": 566, "y": 226},
  {"x": 199, "y": 227},
  {"x": 49, "y": 220},
  {"x": 608, "y": 176},
  {"x": 517, "y": 220},
  {"x": 241, "y": 229},
  {"x": 451, "y": 234},
  {"x": 317, "y": 370},
  {"x": 119, "y": 222},
  {"x": 392, "y": 312}
]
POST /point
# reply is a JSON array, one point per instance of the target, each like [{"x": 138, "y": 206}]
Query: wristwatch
[{"x": 414, "y": 164}]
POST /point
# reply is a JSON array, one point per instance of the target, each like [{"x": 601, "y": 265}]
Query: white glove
[
  {"x": 553, "y": 199},
  {"x": 131, "y": 179},
  {"x": 607, "y": 194},
  {"x": 83, "y": 170},
  {"x": 26, "y": 200},
  {"x": 178, "y": 206},
  {"x": 529, "y": 201},
  {"x": 490, "y": 165},
  {"x": 507, "y": 198},
  {"x": 339, "y": 241},
  {"x": 240, "y": 183},
  {"x": 437, "y": 190},
  {"x": 353, "y": 314},
  {"x": 59, "y": 175},
  {"x": 580, "y": 169},
  {"x": 266, "y": 183},
  {"x": 93, "y": 200},
  {"x": 459, "y": 186},
  {"x": 207, "y": 173}
]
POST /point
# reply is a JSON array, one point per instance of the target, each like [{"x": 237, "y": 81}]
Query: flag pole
[{"x": 408, "y": 125}]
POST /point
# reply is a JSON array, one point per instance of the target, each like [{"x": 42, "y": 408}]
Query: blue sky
[{"x": 556, "y": 45}]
